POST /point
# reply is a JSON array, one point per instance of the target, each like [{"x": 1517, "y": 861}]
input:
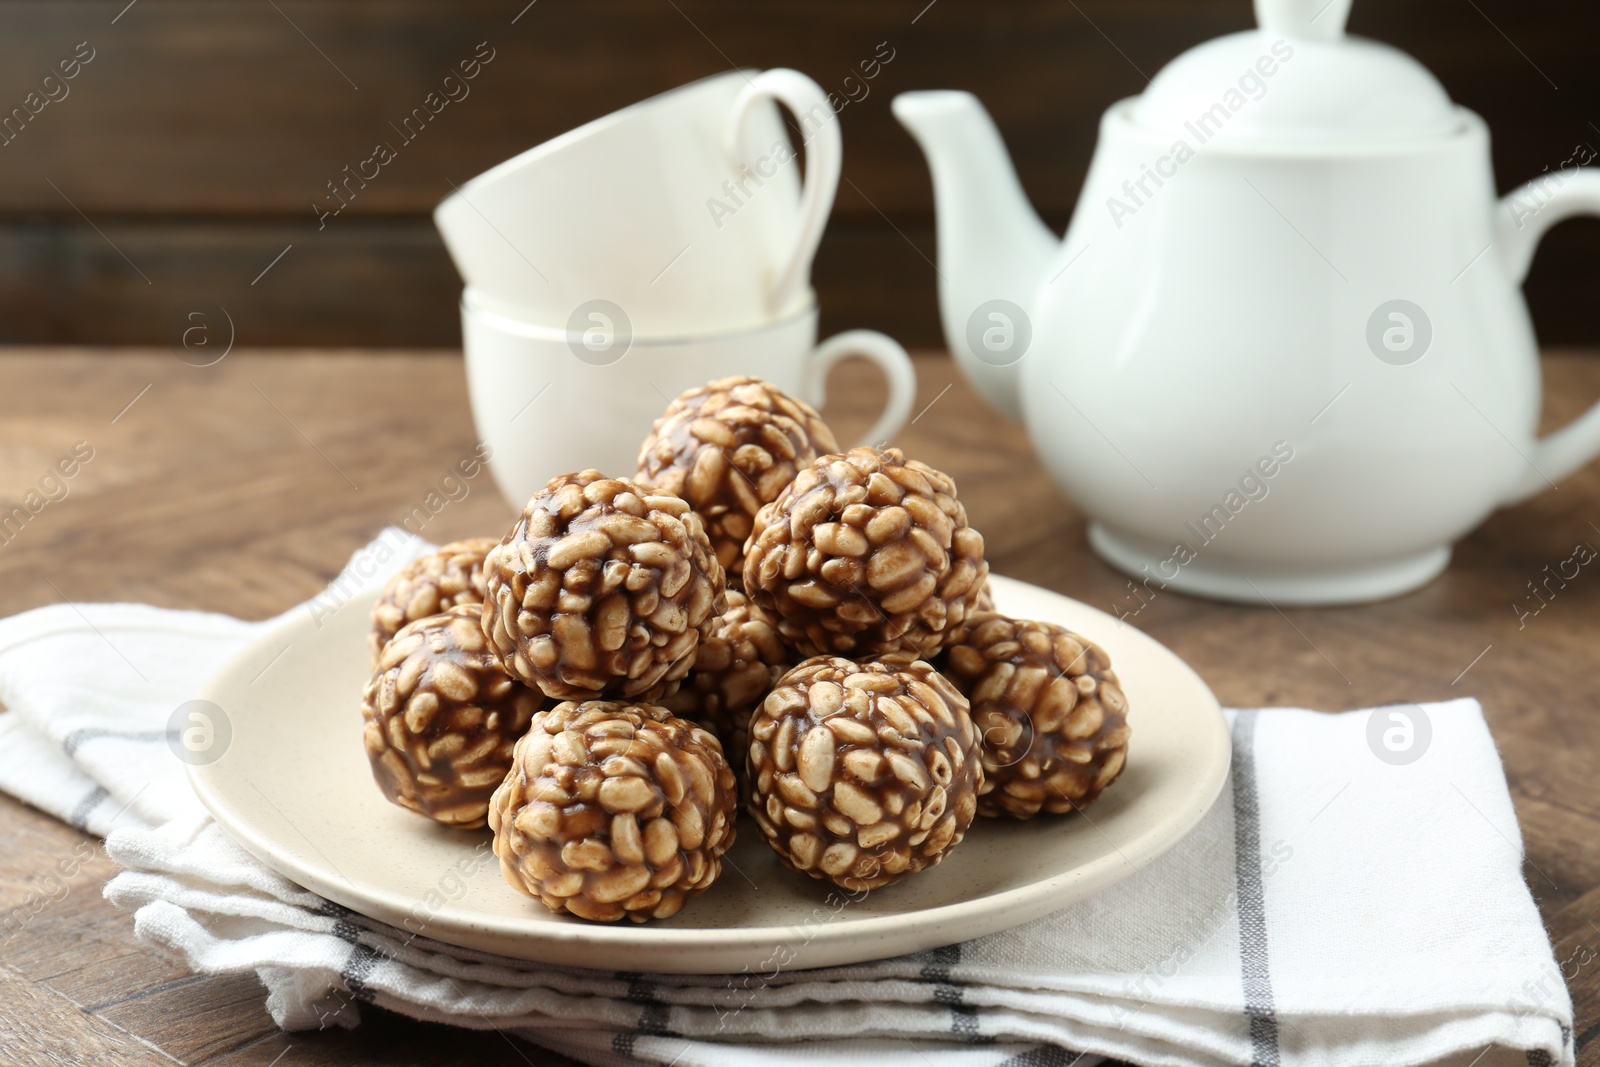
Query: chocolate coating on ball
[
  {"x": 1049, "y": 710},
  {"x": 734, "y": 669},
  {"x": 729, "y": 447},
  {"x": 865, "y": 554},
  {"x": 862, "y": 774},
  {"x": 442, "y": 716},
  {"x": 614, "y": 810},
  {"x": 603, "y": 588},
  {"x": 985, "y": 598},
  {"x": 428, "y": 585}
]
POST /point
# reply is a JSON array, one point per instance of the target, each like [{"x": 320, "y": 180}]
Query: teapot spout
[{"x": 993, "y": 247}]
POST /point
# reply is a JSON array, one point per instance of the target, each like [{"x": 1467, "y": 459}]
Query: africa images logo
[
  {"x": 1399, "y": 332},
  {"x": 1251, "y": 85},
  {"x": 999, "y": 332},
  {"x": 599, "y": 332},
  {"x": 199, "y": 732},
  {"x": 1399, "y": 735}
]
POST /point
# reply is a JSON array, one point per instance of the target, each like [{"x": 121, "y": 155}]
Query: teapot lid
[{"x": 1297, "y": 79}]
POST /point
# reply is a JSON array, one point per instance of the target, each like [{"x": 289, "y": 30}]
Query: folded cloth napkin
[{"x": 1334, "y": 908}]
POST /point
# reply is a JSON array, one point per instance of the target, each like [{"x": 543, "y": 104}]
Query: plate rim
[{"x": 976, "y": 916}]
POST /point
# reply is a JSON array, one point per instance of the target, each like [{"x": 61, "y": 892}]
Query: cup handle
[
  {"x": 1517, "y": 234},
  {"x": 819, "y": 129},
  {"x": 881, "y": 349}
]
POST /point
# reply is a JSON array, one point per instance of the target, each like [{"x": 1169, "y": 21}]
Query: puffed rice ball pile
[{"x": 753, "y": 619}]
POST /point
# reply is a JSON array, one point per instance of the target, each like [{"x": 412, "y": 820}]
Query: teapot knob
[{"x": 1314, "y": 20}]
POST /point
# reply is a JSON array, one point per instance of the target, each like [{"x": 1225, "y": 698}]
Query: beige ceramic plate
[{"x": 294, "y": 788}]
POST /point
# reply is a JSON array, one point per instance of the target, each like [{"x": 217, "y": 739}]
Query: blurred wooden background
[{"x": 187, "y": 154}]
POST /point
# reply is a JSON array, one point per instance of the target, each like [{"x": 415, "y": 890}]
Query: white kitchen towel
[{"x": 1355, "y": 898}]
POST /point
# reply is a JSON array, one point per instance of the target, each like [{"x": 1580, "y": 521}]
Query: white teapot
[{"x": 1282, "y": 353}]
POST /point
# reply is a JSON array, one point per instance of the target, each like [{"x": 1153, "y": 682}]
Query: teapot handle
[
  {"x": 819, "y": 131},
  {"x": 1520, "y": 221}
]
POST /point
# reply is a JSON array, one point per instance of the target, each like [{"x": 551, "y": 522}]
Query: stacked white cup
[{"x": 649, "y": 251}]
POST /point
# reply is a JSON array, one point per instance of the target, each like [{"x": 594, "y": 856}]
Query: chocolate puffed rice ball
[
  {"x": 428, "y": 585},
  {"x": 442, "y": 716},
  {"x": 603, "y": 588},
  {"x": 1050, "y": 713},
  {"x": 729, "y": 447},
  {"x": 614, "y": 810},
  {"x": 866, "y": 553},
  {"x": 863, "y": 773},
  {"x": 734, "y": 669}
]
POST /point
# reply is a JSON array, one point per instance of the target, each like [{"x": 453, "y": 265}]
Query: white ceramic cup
[
  {"x": 549, "y": 401},
  {"x": 685, "y": 209}
]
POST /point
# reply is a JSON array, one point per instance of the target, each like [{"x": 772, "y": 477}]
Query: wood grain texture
[
  {"x": 204, "y": 132},
  {"x": 232, "y": 107},
  {"x": 370, "y": 282},
  {"x": 243, "y": 487}
]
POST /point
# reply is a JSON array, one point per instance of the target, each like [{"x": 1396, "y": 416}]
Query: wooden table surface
[{"x": 243, "y": 487}]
